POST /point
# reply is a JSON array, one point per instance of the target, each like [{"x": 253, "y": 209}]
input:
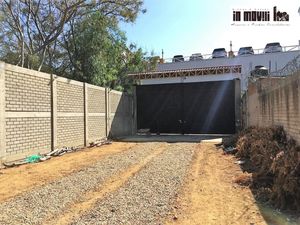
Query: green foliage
[
  {"x": 78, "y": 39},
  {"x": 101, "y": 56}
]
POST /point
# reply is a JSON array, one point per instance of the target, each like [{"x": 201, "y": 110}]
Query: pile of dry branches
[{"x": 275, "y": 160}]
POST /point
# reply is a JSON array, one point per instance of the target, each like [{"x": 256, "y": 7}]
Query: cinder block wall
[
  {"x": 96, "y": 108},
  {"x": 274, "y": 101},
  {"x": 121, "y": 106},
  {"x": 40, "y": 112},
  {"x": 70, "y": 112}
]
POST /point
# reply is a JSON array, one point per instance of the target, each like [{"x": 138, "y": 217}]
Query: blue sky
[{"x": 192, "y": 26}]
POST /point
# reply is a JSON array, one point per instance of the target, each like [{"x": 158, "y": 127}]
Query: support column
[
  {"x": 53, "y": 111},
  {"x": 2, "y": 112},
  {"x": 237, "y": 93},
  {"x": 85, "y": 99},
  {"x": 107, "y": 112},
  {"x": 134, "y": 111}
]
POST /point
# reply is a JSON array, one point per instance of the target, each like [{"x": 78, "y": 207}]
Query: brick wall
[
  {"x": 40, "y": 112},
  {"x": 96, "y": 103},
  {"x": 70, "y": 112},
  {"x": 27, "y": 112},
  {"x": 121, "y": 114},
  {"x": 22, "y": 93},
  {"x": 24, "y": 134},
  {"x": 274, "y": 101}
]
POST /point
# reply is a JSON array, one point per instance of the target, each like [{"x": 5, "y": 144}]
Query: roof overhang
[{"x": 218, "y": 70}]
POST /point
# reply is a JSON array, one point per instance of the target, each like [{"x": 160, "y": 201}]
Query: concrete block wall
[
  {"x": 274, "y": 101},
  {"x": 70, "y": 112},
  {"x": 121, "y": 113},
  {"x": 27, "y": 112},
  {"x": 96, "y": 109},
  {"x": 40, "y": 112}
]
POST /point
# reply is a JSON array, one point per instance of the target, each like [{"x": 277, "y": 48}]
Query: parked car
[
  {"x": 219, "y": 53},
  {"x": 246, "y": 51},
  {"x": 273, "y": 47},
  {"x": 260, "y": 70},
  {"x": 178, "y": 58},
  {"x": 196, "y": 56}
]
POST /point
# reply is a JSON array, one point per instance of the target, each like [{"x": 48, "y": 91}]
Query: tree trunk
[{"x": 42, "y": 60}]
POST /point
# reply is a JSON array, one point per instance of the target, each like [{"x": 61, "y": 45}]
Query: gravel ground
[
  {"x": 146, "y": 198},
  {"x": 38, "y": 204}
]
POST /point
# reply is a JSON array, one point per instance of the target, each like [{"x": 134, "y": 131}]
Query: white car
[
  {"x": 196, "y": 56},
  {"x": 273, "y": 47},
  {"x": 219, "y": 53},
  {"x": 246, "y": 51}
]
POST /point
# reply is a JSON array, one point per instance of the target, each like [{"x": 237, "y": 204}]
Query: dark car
[
  {"x": 260, "y": 70},
  {"x": 178, "y": 58},
  {"x": 219, "y": 53},
  {"x": 246, "y": 51}
]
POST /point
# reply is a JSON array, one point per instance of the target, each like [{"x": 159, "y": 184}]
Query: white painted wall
[{"x": 273, "y": 61}]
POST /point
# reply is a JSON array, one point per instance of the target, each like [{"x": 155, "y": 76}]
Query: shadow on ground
[{"x": 173, "y": 138}]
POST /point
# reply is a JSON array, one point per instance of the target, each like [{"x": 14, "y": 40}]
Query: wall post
[
  {"x": 107, "y": 112},
  {"x": 237, "y": 93},
  {"x": 85, "y": 100},
  {"x": 2, "y": 112},
  {"x": 134, "y": 111},
  {"x": 53, "y": 112}
]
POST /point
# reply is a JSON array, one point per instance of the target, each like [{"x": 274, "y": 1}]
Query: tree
[
  {"x": 98, "y": 53},
  {"x": 33, "y": 30},
  {"x": 78, "y": 39}
]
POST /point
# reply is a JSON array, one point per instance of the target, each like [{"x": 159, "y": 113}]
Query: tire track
[
  {"x": 40, "y": 203},
  {"x": 109, "y": 186},
  {"x": 18, "y": 180},
  {"x": 147, "y": 197}
]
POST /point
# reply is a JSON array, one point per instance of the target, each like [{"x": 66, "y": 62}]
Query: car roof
[
  {"x": 178, "y": 56},
  {"x": 273, "y": 43},
  {"x": 219, "y": 49},
  {"x": 246, "y": 47}
]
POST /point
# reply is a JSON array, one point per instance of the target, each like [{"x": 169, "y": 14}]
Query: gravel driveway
[{"x": 145, "y": 198}]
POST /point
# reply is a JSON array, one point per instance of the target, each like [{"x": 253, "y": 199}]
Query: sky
[{"x": 197, "y": 26}]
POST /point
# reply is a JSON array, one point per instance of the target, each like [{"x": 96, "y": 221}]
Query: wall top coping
[{"x": 94, "y": 87}]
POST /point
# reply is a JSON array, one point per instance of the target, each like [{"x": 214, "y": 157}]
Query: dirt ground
[
  {"x": 208, "y": 195},
  {"x": 111, "y": 185},
  {"x": 14, "y": 181}
]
